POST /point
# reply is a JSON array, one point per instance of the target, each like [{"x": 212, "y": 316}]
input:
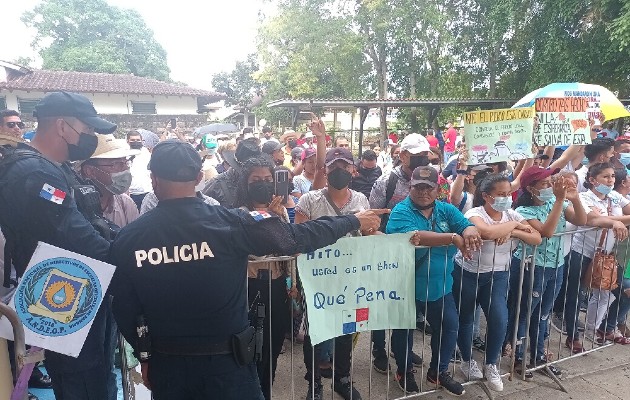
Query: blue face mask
[
  {"x": 545, "y": 195},
  {"x": 585, "y": 161},
  {"x": 603, "y": 189},
  {"x": 624, "y": 158},
  {"x": 501, "y": 204}
]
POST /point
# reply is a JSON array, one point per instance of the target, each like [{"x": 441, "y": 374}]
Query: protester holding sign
[
  {"x": 389, "y": 190},
  {"x": 443, "y": 228},
  {"x": 484, "y": 278},
  {"x": 337, "y": 199}
]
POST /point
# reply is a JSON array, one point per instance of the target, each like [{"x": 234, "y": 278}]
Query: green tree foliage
[
  {"x": 92, "y": 36},
  {"x": 239, "y": 85},
  {"x": 441, "y": 48},
  {"x": 308, "y": 51}
]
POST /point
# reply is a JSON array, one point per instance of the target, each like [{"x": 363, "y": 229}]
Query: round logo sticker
[{"x": 58, "y": 296}]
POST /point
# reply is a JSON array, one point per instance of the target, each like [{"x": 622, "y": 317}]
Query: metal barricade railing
[
  {"x": 23, "y": 360},
  {"x": 574, "y": 265},
  {"x": 289, "y": 377},
  {"x": 283, "y": 375}
]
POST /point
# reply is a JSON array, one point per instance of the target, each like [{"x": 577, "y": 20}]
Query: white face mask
[
  {"x": 121, "y": 181},
  {"x": 545, "y": 195}
]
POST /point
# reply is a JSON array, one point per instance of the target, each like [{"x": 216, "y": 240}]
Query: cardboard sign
[
  {"x": 562, "y": 122},
  {"x": 58, "y": 298},
  {"x": 499, "y": 135},
  {"x": 359, "y": 284}
]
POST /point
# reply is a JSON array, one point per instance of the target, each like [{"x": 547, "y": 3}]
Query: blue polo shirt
[{"x": 433, "y": 279}]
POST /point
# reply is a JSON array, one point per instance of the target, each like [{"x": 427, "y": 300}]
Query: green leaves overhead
[{"x": 92, "y": 36}]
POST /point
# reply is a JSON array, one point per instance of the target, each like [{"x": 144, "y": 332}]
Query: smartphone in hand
[
  {"x": 281, "y": 180},
  {"x": 173, "y": 123}
]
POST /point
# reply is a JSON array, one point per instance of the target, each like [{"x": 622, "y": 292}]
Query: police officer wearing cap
[
  {"x": 66, "y": 126},
  {"x": 181, "y": 276}
]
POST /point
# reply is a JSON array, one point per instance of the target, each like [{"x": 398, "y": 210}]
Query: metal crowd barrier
[
  {"x": 23, "y": 360},
  {"x": 599, "y": 302},
  {"x": 289, "y": 382}
]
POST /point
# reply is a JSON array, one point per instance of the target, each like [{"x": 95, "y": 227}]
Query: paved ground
[{"x": 603, "y": 374}]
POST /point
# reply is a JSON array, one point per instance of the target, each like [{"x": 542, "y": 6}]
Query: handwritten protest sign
[
  {"x": 359, "y": 284},
  {"x": 58, "y": 298},
  {"x": 593, "y": 102},
  {"x": 562, "y": 122},
  {"x": 499, "y": 135}
]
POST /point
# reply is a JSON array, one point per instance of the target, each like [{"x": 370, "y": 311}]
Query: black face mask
[
  {"x": 339, "y": 178},
  {"x": 135, "y": 145},
  {"x": 84, "y": 149},
  {"x": 260, "y": 192},
  {"x": 278, "y": 162},
  {"x": 418, "y": 161}
]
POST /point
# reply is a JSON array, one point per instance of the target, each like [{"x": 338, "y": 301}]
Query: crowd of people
[{"x": 477, "y": 228}]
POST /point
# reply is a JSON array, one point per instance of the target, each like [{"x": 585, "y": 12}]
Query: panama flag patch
[
  {"x": 259, "y": 215},
  {"x": 52, "y": 194},
  {"x": 355, "y": 320}
]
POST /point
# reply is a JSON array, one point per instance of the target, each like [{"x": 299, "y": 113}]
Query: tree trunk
[
  {"x": 493, "y": 61},
  {"x": 413, "y": 115}
]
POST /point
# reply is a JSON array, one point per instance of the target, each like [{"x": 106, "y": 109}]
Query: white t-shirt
[
  {"x": 491, "y": 257},
  {"x": 585, "y": 242},
  {"x": 581, "y": 174},
  {"x": 141, "y": 181}
]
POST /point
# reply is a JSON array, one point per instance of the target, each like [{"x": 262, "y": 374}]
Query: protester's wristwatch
[{"x": 461, "y": 171}]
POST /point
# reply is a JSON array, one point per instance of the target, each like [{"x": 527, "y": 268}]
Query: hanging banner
[
  {"x": 58, "y": 298},
  {"x": 359, "y": 284},
  {"x": 499, "y": 135},
  {"x": 562, "y": 122}
]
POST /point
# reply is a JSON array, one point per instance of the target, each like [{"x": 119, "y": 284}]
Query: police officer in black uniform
[
  {"x": 182, "y": 273},
  {"x": 66, "y": 126}
]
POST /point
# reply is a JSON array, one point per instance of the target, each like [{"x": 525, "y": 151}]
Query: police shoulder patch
[{"x": 259, "y": 215}]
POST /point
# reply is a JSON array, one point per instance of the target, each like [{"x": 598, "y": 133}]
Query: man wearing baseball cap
[
  {"x": 437, "y": 225},
  {"x": 40, "y": 203},
  {"x": 274, "y": 149},
  {"x": 182, "y": 267},
  {"x": 336, "y": 199},
  {"x": 389, "y": 190}
]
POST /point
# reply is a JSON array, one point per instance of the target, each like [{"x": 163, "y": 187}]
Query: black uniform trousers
[{"x": 202, "y": 378}]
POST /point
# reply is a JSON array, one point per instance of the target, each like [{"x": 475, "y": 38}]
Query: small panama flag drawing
[
  {"x": 52, "y": 194},
  {"x": 355, "y": 320}
]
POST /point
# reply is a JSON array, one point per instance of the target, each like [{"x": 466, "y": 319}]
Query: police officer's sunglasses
[{"x": 12, "y": 125}]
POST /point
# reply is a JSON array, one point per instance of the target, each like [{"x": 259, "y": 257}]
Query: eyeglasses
[
  {"x": 12, "y": 125},
  {"x": 117, "y": 165}
]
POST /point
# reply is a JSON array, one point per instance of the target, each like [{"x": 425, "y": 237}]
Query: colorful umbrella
[{"x": 599, "y": 98}]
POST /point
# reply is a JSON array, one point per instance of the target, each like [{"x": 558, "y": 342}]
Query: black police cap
[
  {"x": 66, "y": 104},
  {"x": 175, "y": 161}
]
